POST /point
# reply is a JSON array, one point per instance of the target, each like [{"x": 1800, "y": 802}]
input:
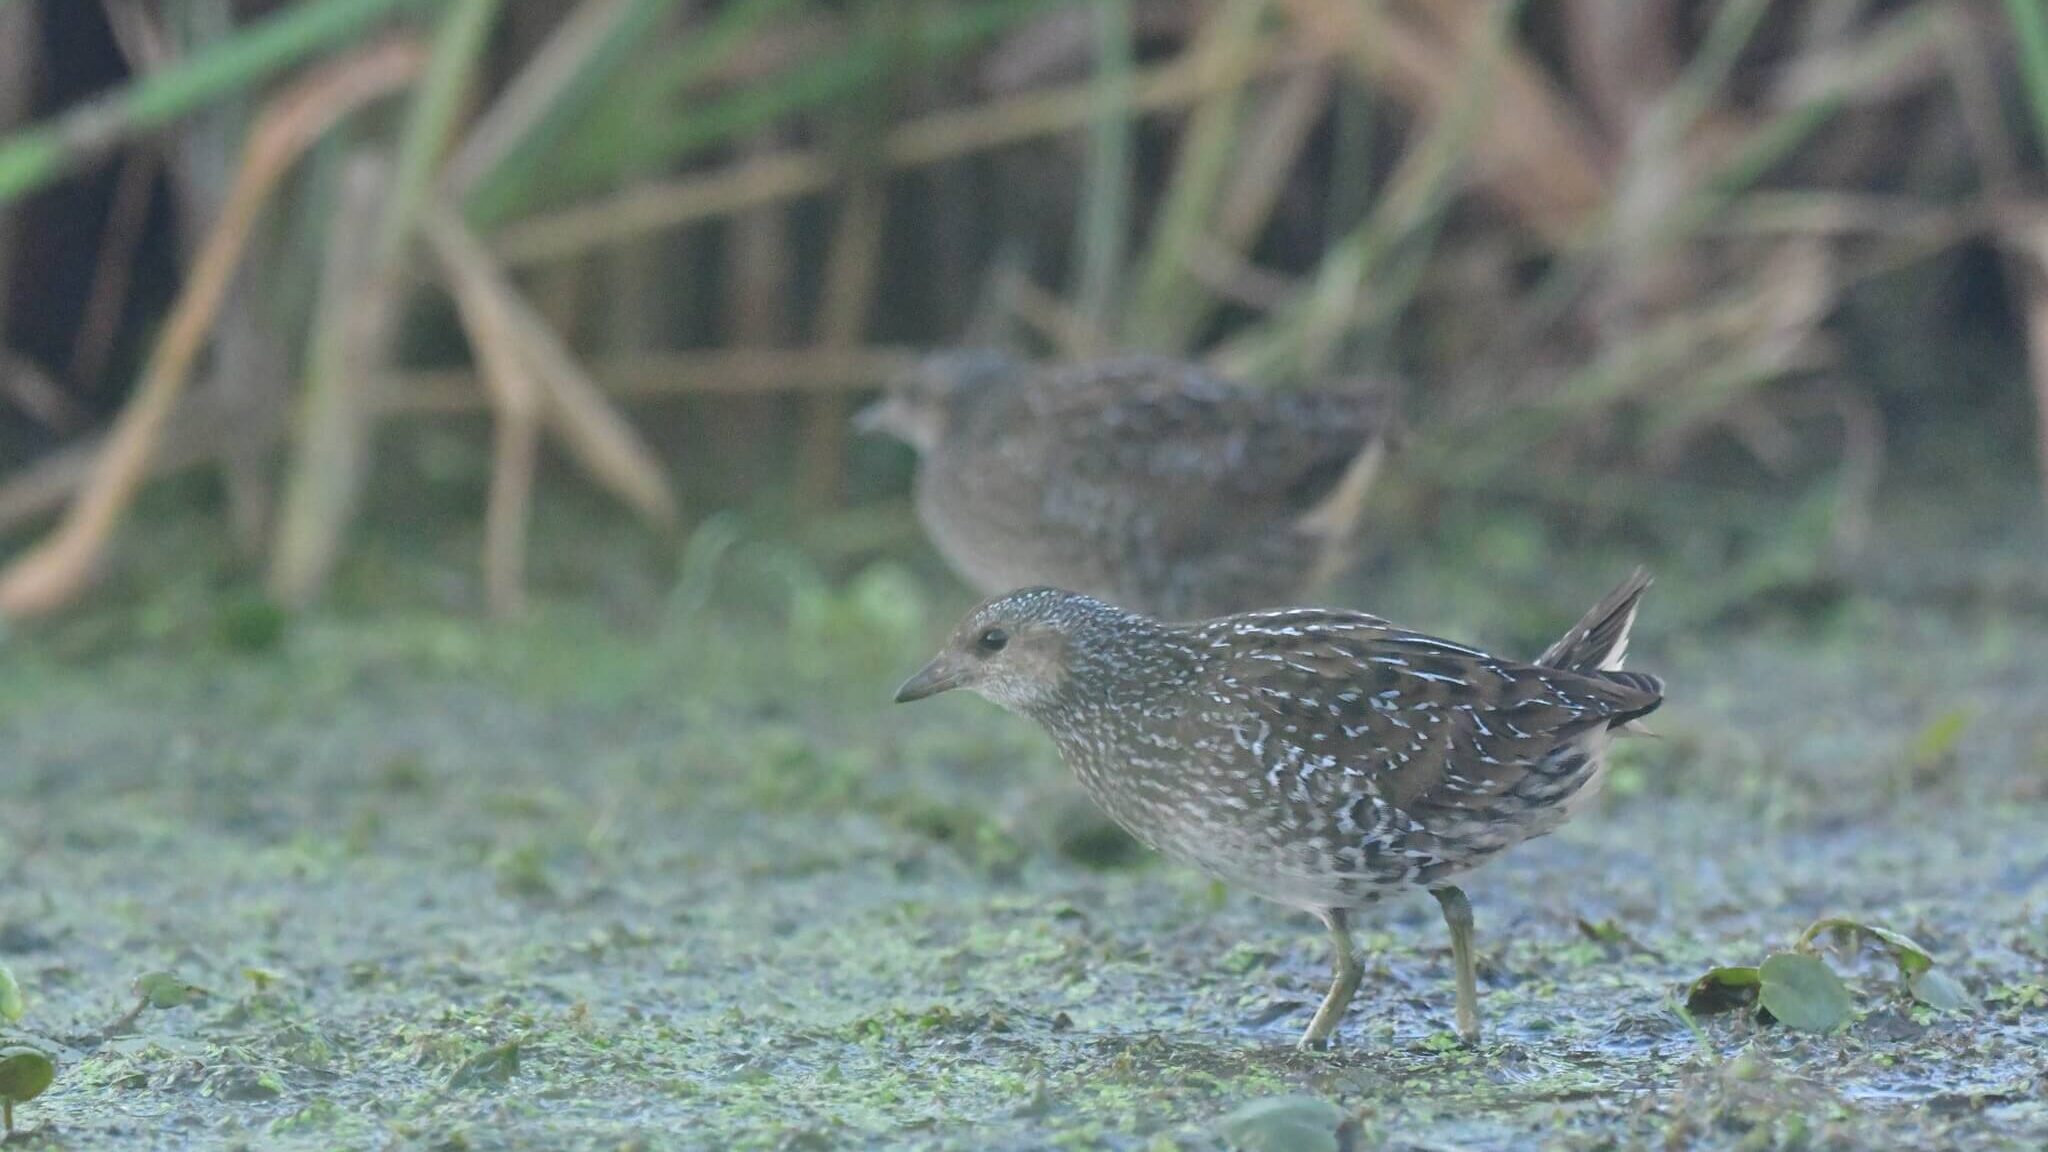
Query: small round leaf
[
  {"x": 1803, "y": 993},
  {"x": 24, "y": 1073},
  {"x": 1284, "y": 1124},
  {"x": 1941, "y": 991},
  {"x": 164, "y": 990},
  {"x": 1722, "y": 990}
]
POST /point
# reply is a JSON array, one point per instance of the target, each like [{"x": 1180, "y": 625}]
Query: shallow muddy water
[{"x": 686, "y": 880}]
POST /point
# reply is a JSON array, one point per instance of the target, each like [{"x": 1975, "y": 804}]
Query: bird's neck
[{"x": 1131, "y": 670}]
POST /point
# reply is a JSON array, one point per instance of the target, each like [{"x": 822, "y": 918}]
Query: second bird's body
[{"x": 1145, "y": 481}]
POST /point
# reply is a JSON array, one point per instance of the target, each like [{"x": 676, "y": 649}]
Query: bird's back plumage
[{"x": 1322, "y": 758}]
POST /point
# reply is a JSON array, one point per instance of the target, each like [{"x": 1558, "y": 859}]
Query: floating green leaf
[
  {"x": 11, "y": 1006},
  {"x": 1722, "y": 990},
  {"x": 1939, "y": 990},
  {"x": 1284, "y": 1124},
  {"x": 24, "y": 1073},
  {"x": 1803, "y": 993},
  {"x": 163, "y": 990}
]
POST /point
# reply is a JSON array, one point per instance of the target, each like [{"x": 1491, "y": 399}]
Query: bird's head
[
  {"x": 916, "y": 405},
  {"x": 1019, "y": 650}
]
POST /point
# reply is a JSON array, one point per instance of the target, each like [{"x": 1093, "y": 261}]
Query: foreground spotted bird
[
  {"x": 1145, "y": 481},
  {"x": 1319, "y": 758}
]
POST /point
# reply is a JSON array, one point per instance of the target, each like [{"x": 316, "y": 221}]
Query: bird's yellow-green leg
[
  {"x": 1343, "y": 984},
  {"x": 1458, "y": 915}
]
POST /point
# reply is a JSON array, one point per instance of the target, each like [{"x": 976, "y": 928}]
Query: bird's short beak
[{"x": 932, "y": 679}]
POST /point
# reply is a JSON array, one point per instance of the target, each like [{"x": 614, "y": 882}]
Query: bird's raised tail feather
[{"x": 1599, "y": 641}]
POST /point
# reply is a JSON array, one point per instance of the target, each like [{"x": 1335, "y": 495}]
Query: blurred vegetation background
[{"x": 1640, "y": 261}]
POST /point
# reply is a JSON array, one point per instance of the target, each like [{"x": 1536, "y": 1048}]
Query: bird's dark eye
[{"x": 992, "y": 640}]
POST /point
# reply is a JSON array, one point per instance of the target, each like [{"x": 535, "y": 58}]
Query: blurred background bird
[{"x": 1149, "y": 482}]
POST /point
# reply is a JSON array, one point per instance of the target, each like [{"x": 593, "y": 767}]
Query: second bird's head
[{"x": 915, "y": 406}]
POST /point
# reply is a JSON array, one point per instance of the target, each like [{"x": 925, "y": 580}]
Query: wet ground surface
[{"x": 678, "y": 877}]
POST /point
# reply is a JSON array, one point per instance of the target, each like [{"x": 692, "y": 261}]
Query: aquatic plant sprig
[
  {"x": 24, "y": 1071},
  {"x": 1798, "y": 989}
]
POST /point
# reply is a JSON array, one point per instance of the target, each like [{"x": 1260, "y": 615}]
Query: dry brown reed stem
[
  {"x": 760, "y": 274},
  {"x": 1280, "y": 129},
  {"x": 592, "y": 429},
  {"x": 849, "y": 294},
  {"x": 710, "y": 372},
  {"x": 53, "y": 573},
  {"x": 1621, "y": 55},
  {"x": 1231, "y": 276},
  {"x": 851, "y": 268},
  {"x": 2026, "y": 233},
  {"x": 248, "y": 356},
  {"x": 126, "y": 217},
  {"x": 596, "y": 435},
  {"x": 2037, "y": 361},
  {"x": 928, "y": 139},
  {"x": 1063, "y": 41},
  {"x": 194, "y": 433},
  {"x": 1235, "y": 154},
  {"x": 1973, "y": 51},
  {"x": 752, "y": 183},
  {"x": 356, "y": 302},
  {"x": 800, "y": 37},
  {"x": 757, "y": 311},
  {"x": 24, "y": 384},
  {"x": 192, "y": 436},
  {"x": 1533, "y": 153},
  {"x": 531, "y": 95},
  {"x": 1050, "y": 318},
  {"x": 515, "y": 397}
]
